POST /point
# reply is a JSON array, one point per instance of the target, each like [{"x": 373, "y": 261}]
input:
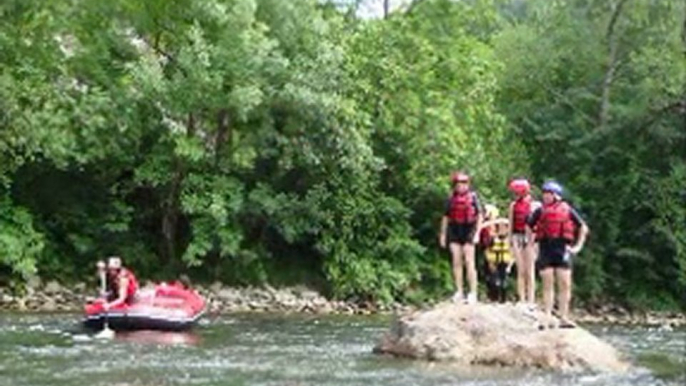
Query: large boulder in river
[{"x": 496, "y": 334}]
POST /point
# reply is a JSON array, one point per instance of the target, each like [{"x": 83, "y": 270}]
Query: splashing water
[{"x": 282, "y": 350}]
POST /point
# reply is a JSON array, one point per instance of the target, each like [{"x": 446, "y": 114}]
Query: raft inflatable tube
[{"x": 167, "y": 307}]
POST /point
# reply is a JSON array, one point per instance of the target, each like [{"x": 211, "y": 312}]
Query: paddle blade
[
  {"x": 81, "y": 338},
  {"x": 106, "y": 333}
]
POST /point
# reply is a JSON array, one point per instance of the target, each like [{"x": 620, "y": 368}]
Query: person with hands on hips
[{"x": 561, "y": 234}]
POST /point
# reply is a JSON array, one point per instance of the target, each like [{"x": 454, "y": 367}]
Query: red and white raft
[{"x": 169, "y": 307}]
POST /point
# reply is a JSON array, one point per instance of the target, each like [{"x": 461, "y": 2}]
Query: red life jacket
[
  {"x": 485, "y": 238},
  {"x": 556, "y": 222},
  {"x": 520, "y": 211},
  {"x": 132, "y": 286},
  {"x": 462, "y": 208}
]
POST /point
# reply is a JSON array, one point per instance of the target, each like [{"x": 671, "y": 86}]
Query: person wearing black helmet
[{"x": 561, "y": 234}]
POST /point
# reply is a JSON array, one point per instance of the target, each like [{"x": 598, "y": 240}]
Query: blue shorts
[{"x": 552, "y": 258}]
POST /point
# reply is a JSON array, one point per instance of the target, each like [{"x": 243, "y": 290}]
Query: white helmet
[
  {"x": 491, "y": 211},
  {"x": 114, "y": 262}
]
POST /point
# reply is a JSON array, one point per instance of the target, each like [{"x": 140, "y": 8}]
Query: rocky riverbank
[
  {"x": 55, "y": 297},
  {"x": 52, "y": 296}
]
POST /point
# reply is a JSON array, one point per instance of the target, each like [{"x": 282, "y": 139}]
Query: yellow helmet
[{"x": 491, "y": 211}]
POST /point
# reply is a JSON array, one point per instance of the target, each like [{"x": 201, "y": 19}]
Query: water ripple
[{"x": 284, "y": 350}]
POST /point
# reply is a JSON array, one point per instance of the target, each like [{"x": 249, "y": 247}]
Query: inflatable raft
[{"x": 169, "y": 307}]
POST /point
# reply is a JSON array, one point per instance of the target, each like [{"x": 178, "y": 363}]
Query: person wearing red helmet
[
  {"x": 459, "y": 225},
  {"x": 524, "y": 252},
  {"x": 561, "y": 234}
]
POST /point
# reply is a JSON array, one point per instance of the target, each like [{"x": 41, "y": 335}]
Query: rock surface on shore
[{"x": 52, "y": 296}]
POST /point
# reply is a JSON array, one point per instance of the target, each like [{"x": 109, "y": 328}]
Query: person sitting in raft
[
  {"x": 119, "y": 283},
  {"x": 498, "y": 260}
]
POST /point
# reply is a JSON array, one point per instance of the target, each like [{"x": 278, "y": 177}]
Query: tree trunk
[
  {"x": 611, "y": 36},
  {"x": 223, "y": 136},
  {"x": 386, "y": 8},
  {"x": 683, "y": 41},
  {"x": 170, "y": 206},
  {"x": 170, "y": 217}
]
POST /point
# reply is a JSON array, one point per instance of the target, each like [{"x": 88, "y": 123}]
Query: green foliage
[
  {"x": 256, "y": 141},
  {"x": 19, "y": 242},
  {"x": 602, "y": 119}
]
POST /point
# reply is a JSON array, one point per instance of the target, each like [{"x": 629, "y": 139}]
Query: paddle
[{"x": 106, "y": 332}]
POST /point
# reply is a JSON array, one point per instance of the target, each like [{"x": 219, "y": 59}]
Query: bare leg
[
  {"x": 564, "y": 284},
  {"x": 468, "y": 250},
  {"x": 521, "y": 271},
  {"x": 548, "y": 292},
  {"x": 529, "y": 258},
  {"x": 456, "y": 254}
]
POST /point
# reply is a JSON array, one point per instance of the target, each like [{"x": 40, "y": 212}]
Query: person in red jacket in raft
[{"x": 119, "y": 283}]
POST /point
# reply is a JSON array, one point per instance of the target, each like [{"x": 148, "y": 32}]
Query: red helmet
[
  {"x": 459, "y": 177},
  {"x": 519, "y": 186}
]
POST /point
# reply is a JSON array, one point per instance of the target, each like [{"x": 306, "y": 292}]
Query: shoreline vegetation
[
  {"x": 296, "y": 142},
  {"x": 55, "y": 297}
]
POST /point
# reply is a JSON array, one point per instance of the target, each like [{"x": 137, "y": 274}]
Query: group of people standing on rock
[{"x": 544, "y": 235}]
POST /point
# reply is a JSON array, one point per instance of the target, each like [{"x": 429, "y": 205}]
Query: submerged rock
[{"x": 496, "y": 334}]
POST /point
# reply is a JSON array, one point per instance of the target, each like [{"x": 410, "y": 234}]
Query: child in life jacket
[
  {"x": 499, "y": 261},
  {"x": 496, "y": 251}
]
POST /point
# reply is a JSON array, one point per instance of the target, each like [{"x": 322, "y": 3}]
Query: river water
[{"x": 284, "y": 350}]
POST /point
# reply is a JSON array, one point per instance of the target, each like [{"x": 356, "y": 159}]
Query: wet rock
[
  {"x": 33, "y": 283},
  {"x": 216, "y": 287},
  {"x": 285, "y": 300},
  {"x": 80, "y": 288},
  {"x": 261, "y": 294},
  {"x": 228, "y": 294},
  {"x": 270, "y": 290},
  {"x": 324, "y": 309},
  {"x": 6, "y": 299},
  {"x": 490, "y": 334},
  {"x": 312, "y": 295},
  {"x": 21, "y": 304},
  {"x": 214, "y": 306},
  {"x": 49, "y": 305},
  {"x": 237, "y": 308},
  {"x": 52, "y": 287},
  {"x": 256, "y": 306}
]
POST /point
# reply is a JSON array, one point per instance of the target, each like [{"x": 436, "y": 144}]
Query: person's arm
[
  {"x": 442, "y": 240},
  {"x": 509, "y": 265},
  {"x": 444, "y": 228},
  {"x": 102, "y": 276},
  {"x": 530, "y": 224},
  {"x": 583, "y": 232},
  {"x": 496, "y": 221},
  {"x": 121, "y": 297},
  {"x": 510, "y": 217},
  {"x": 479, "y": 218}
]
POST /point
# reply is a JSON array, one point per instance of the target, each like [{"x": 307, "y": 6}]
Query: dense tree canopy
[{"x": 255, "y": 141}]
